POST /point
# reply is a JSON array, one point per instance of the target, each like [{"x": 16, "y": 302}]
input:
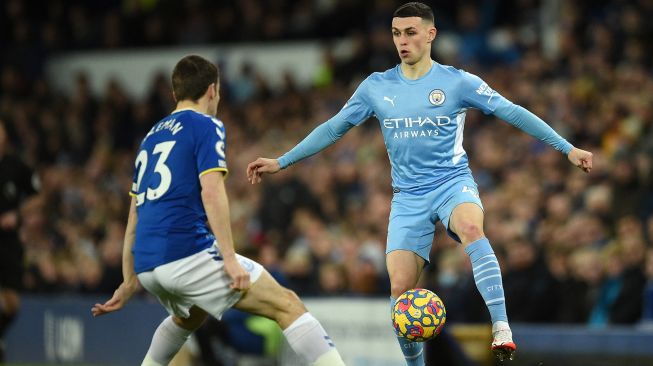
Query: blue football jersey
[
  {"x": 172, "y": 223},
  {"x": 422, "y": 120}
]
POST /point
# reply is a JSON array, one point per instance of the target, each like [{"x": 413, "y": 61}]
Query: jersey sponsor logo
[
  {"x": 485, "y": 89},
  {"x": 437, "y": 97},
  {"x": 415, "y": 134},
  {"x": 409, "y": 127},
  {"x": 389, "y": 100},
  {"x": 410, "y": 122}
]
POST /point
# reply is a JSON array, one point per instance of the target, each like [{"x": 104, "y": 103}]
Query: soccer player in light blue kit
[
  {"x": 421, "y": 108},
  {"x": 178, "y": 241}
]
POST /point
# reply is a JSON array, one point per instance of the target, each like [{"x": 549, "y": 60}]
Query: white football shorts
[{"x": 199, "y": 279}]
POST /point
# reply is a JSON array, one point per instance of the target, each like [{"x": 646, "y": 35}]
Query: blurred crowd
[{"x": 573, "y": 247}]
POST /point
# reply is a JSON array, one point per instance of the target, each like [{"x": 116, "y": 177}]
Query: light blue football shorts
[{"x": 413, "y": 216}]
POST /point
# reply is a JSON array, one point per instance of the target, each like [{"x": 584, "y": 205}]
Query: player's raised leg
[
  {"x": 467, "y": 222},
  {"x": 404, "y": 269},
  {"x": 303, "y": 332},
  {"x": 171, "y": 335}
]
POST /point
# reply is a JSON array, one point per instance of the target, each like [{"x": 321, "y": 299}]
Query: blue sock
[
  {"x": 413, "y": 351},
  {"x": 487, "y": 276}
]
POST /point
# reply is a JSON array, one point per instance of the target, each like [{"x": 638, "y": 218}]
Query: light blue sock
[
  {"x": 413, "y": 351},
  {"x": 487, "y": 276}
]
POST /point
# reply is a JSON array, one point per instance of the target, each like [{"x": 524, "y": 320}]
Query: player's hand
[
  {"x": 259, "y": 166},
  {"x": 581, "y": 159},
  {"x": 239, "y": 276},
  {"x": 119, "y": 299}
]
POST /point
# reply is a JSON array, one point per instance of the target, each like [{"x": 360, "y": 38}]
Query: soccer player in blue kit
[
  {"x": 178, "y": 241},
  {"x": 421, "y": 108}
]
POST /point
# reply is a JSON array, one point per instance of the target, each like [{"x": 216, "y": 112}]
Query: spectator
[
  {"x": 330, "y": 220},
  {"x": 17, "y": 183}
]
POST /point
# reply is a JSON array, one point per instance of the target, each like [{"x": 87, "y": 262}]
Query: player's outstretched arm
[
  {"x": 319, "y": 139},
  {"x": 581, "y": 158},
  {"x": 353, "y": 113},
  {"x": 259, "y": 166},
  {"x": 216, "y": 205},
  {"x": 129, "y": 283}
]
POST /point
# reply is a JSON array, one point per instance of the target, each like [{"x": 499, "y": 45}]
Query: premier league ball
[{"x": 418, "y": 315}]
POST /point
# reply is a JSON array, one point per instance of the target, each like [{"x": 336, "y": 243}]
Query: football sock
[
  {"x": 413, "y": 351},
  {"x": 148, "y": 361},
  {"x": 166, "y": 342},
  {"x": 308, "y": 339},
  {"x": 487, "y": 276}
]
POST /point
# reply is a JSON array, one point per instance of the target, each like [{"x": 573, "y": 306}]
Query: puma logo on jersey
[{"x": 391, "y": 101}]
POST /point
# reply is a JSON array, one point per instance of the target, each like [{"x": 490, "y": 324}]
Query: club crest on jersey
[{"x": 437, "y": 97}]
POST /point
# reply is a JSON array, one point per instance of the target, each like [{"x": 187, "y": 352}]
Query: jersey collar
[
  {"x": 183, "y": 110},
  {"x": 415, "y": 81}
]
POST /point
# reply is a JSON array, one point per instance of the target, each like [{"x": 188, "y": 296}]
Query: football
[{"x": 418, "y": 315}]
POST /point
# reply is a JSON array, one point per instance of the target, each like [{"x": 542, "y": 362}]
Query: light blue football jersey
[
  {"x": 422, "y": 122},
  {"x": 172, "y": 223}
]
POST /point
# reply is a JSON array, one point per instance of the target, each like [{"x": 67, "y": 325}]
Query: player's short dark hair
[
  {"x": 415, "y": 9},
  {"x": 192, "y": 76}
]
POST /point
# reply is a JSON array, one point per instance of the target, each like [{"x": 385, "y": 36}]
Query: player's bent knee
[
  {"x": 292, "y": 304},
  {"x": 287, "y": 308},
  {"x": 469, "y": 231},
  {"x": 398, "y": 287}
]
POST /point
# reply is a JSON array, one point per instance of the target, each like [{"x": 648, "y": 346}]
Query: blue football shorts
[{"x": 413, "y": 216}]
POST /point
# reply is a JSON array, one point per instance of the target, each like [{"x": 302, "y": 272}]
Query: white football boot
[{"x": 502, "y": 345}]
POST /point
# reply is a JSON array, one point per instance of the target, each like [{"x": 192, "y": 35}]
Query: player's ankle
[{"x": 500, "y": 325}]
